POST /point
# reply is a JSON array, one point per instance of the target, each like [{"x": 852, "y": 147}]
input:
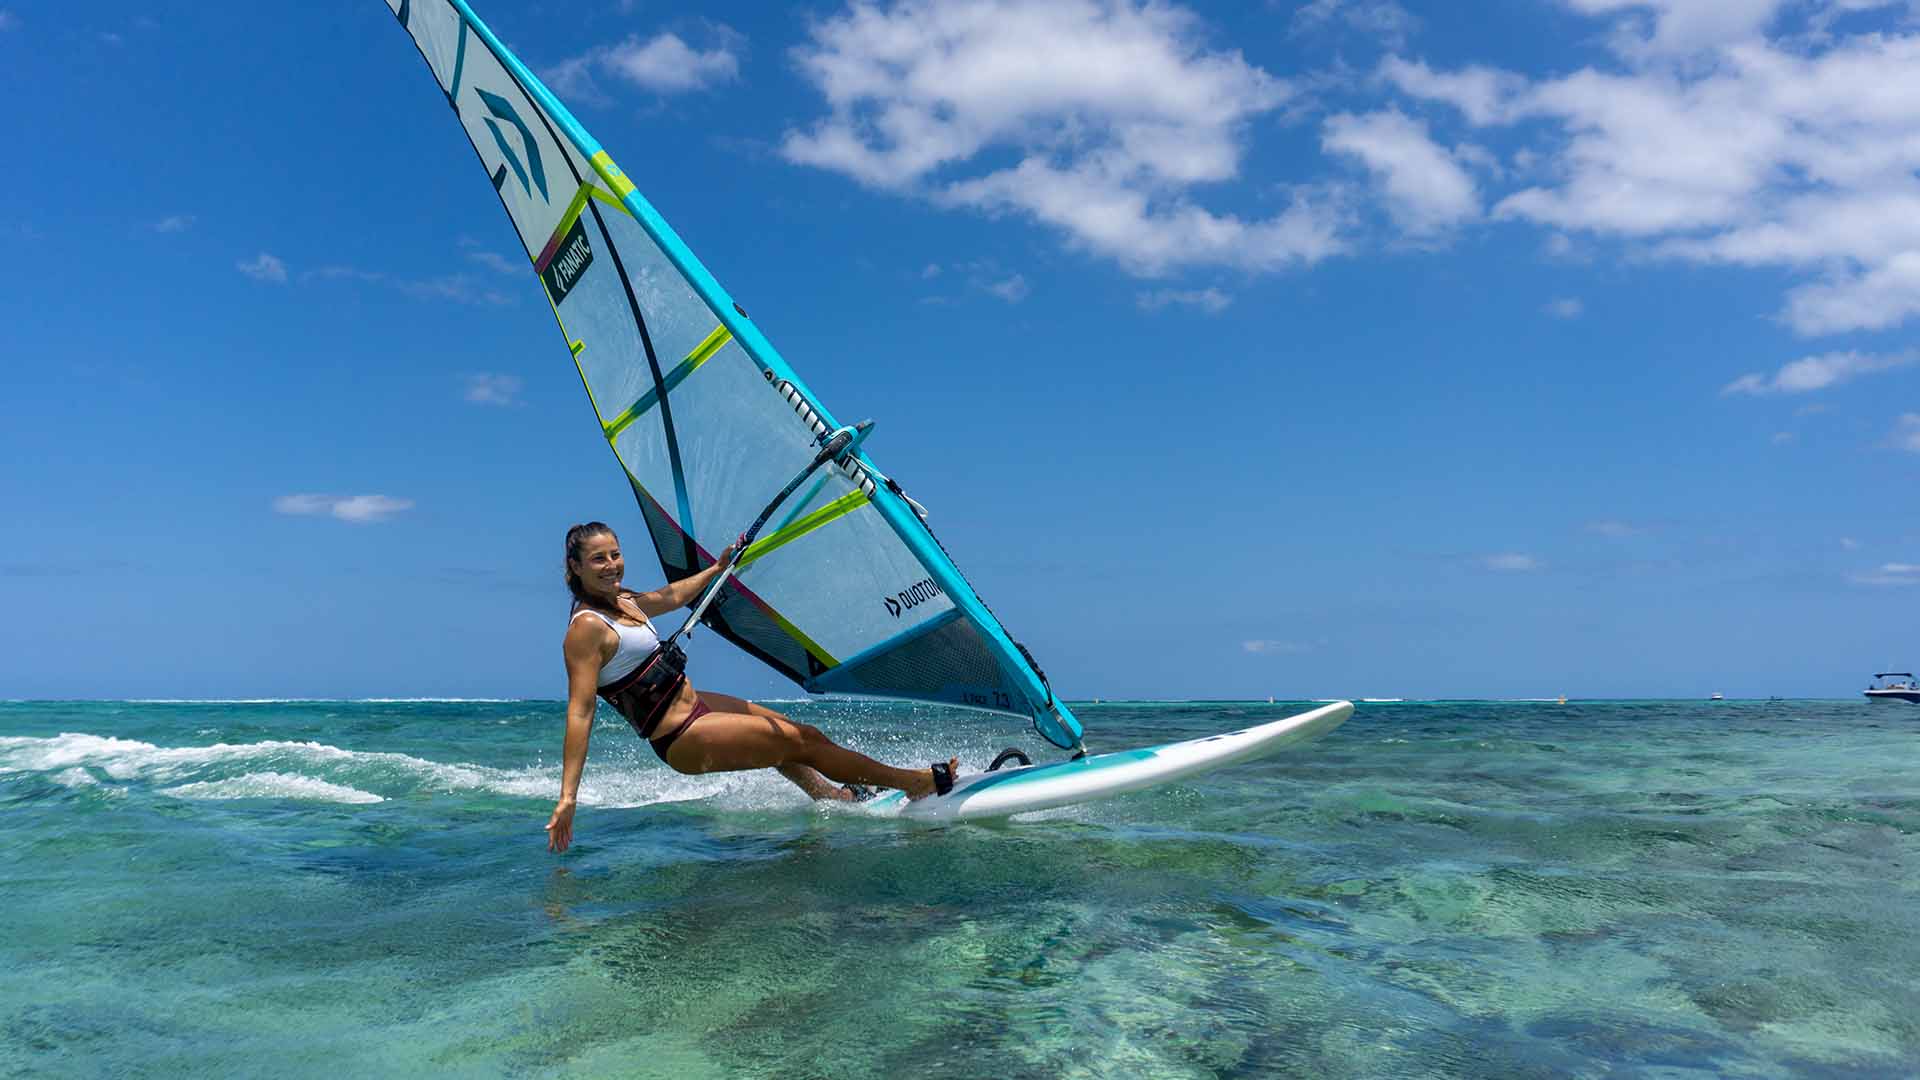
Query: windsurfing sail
[{"x": 846, "y": 591}]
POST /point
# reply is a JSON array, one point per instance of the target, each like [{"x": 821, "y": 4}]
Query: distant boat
[
  {"x": 1717, "y": 696},
  {"x": 1903, "y": 690}
]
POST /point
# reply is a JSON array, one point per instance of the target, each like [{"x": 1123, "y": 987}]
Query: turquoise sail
[{"x": 848, "y": 592}]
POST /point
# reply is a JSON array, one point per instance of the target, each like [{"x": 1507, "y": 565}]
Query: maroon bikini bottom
[{"x": 661, "y": 744}]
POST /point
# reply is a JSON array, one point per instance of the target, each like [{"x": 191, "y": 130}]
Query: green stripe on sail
[
  {"x": 701, "y": 353},
  {"x": 840, "y": 507}
]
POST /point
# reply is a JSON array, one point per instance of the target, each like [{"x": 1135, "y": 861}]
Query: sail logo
[
  {"x": 569, "y": 261},
  {"x": 911, "y": 597},
  {"x": 531, "y": 173}
]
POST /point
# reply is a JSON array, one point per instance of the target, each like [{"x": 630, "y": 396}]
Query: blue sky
[{"x": 1350, "y": 348}]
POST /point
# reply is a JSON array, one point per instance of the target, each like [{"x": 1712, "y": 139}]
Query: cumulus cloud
[
  {"x": 486, "y": 389},
  {"x": 1423, "y": 187},
  {"x": 662, "y": 64},
  {"x": 263, "y": 267},
  {"x": 1751, "y": 133},
  {"x": 1682, "y": 27},
  {"x": 1098, "y": 119},
  {"x": 1210, "y": 300},
  {"x": 359, "y": 509},
  {"x": 1816, "y": 373},
  {"x": 1484, "y": 95},
  {"x": 1710, "y": 142}
]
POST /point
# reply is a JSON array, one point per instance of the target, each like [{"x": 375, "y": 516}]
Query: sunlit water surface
[{"x": 1436, "y": 889}]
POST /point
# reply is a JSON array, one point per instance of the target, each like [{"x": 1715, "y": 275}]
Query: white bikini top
[{"x": 636, "y": 644}]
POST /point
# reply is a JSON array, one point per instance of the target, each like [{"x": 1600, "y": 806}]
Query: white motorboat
[{"x": 1894, "y": 686}]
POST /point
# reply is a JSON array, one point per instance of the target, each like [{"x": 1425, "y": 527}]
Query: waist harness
[{"x": 642, "y": 694}]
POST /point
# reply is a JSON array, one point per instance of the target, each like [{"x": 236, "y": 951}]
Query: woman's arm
[
  {"x": 585, "y": 651},
  {"x": 675, "y": 595}
]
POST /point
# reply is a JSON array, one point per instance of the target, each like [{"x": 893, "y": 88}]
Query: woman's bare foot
[{"x": 921, "y": 790}]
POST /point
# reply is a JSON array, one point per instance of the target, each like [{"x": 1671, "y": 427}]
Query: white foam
[
  {"x": 272, "y": 785},
  {"x": 76, "y": 778},
  {"x": 434, "y": 700},
  {"x": 607, "y": 784},
  {"x": 326, "y": 701},
  {"x": 128, "y": 759},
  {"x": 621, "y": 779}
]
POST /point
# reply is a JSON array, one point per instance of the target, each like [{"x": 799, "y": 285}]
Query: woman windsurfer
[{"x": 613, "y": 651}]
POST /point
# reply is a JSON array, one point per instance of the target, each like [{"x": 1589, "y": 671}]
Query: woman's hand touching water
[{"x": 560, "y": 826}]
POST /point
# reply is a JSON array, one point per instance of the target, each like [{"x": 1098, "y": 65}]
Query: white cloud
[
  {"x": 1111, "y": 111},
  {"x": 1714, "y": 144},
  {"x": 1381, "y": 19},
  {"x": 1485, "y": 95},
  {"x": 458, "y": 288},
  {"x": 263, "y": 267},
  {"x": 497, "y": 262},
  {"x": 1892, "y": 573},
  {"x": 663, "y": 64},
  {"x": 174, "y": 223},
  {"x": 1210, "y": 300},
  {"x": 668, "y": 65},
  {"x": 1678, "y": 27},
  {"x": 1425, "y": 189},
  {"x": 1906, "y": 432},
  {"x": 1816, "y": 373},
  {"x": 1119, "y": 123},
  {"x": 486, "y": 389},
  {"x": 1565, "y": 307},
  {"x": 1510, "y": 562},
  {"x": 1011, "y": 289},
  {"x": 1268, "y": 645},
  {"x": 1873, "y": 299},
  {"x": 359, "y": 509}
]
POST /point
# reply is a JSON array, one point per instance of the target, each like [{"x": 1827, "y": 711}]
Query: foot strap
[{"x": 1011, "y": 753}]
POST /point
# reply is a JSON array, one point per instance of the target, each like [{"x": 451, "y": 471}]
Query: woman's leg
[
  {"x": 731, "y": 741},
  {"x": 804, "y": 777}
]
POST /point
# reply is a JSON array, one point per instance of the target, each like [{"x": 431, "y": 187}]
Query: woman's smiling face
[{"x": 600, "y": 566}]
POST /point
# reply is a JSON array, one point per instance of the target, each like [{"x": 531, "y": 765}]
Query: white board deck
[{"x": 1097, "y": 776}]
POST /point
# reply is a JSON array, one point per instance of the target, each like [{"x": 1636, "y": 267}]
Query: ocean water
[{"x": 1468, "y": 889}]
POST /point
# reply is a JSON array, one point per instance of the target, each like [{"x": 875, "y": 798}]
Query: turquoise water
[{"x": 1436, "y": 889}]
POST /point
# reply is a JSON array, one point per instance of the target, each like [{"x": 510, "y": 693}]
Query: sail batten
[{"x": 711, "y": 419}]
